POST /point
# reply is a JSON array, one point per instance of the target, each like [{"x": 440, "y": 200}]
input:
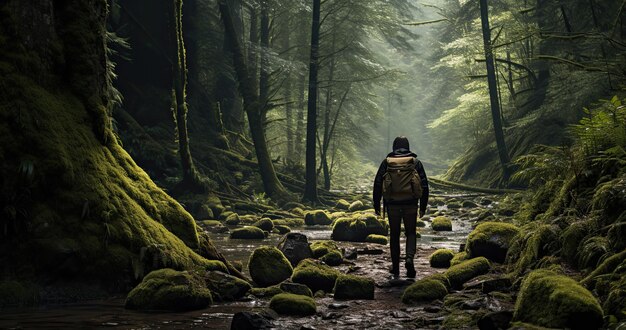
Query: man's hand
[{"x": 422, "y": 213}]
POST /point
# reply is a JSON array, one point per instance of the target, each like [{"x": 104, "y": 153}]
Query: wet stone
[
  {"x": 250, "y": 321},
  {"x": 475, "y": 304},
  {"x": 491, "y": 284},
  {"x": 337, "y": 306},
  {"x": 495, "y": 320},
  {"x": 399, "y": 315},
  {"x": 370, "y": 251},
  {"x": 295, "y": 247},
  {"x": 432, "y": 309},
  {"x": 350, "y": 254},
  {"x": 331, "y": 316}
]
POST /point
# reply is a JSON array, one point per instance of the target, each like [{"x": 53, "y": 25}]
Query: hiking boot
[{"x": 410, "y": 269}]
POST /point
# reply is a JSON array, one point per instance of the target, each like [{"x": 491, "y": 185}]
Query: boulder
[
  {"x": 250, "y": 321},
  {"x": 247, "y": 233},
  {"x": 317, "y": 217},
  {"x": 442, "y": 223},
  {"x": 268, "y": 266},
  {"x": 280, "y": 229},
  {"x": 358, "y": 227},
  {"x": 232, "y": 219},
  {"x": 293, "y": 304},
  {"x": 467, "y": 270},
  {"x": 489, "y": 283},
  {"x": 168, "y": 289},
  {"x": 491, "y": 240},
  {"x": 551, "y": 300},
  {"x": 295, "y": 247},
  {"x": 420, "y": 223},
  {"x": 266, "y": 292},
  {"x": 441, "y": 258},
  {"x": 315, "y": 275},
  {"x": 226, "y": 287},
  {"x": 495, "y": 320},
  {"x": 332, "y": 258},
  {"x": 354, "y": 287},
  {"x": 342, "y": 204},
  {"x": 265, "y": 224},
  {"x": 469, "y": 204},
  {"x": 356, "y": 206},
  {"x": 321, "y": 248},
  {"x": 377, "y": 239},
  {"x": 296, "y": 288},
  {"x": 424, "y": 290}
]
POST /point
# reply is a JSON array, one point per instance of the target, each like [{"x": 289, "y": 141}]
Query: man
[{"x": 398, "y": 184}]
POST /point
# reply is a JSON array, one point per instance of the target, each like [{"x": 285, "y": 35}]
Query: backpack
[{"x": 401, "y": 182}]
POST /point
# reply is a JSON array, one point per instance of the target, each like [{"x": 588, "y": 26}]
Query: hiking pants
[{"x": 398, "y": 214}]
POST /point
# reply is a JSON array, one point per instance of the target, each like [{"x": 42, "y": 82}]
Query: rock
[
  {"x": 219, "y": 229},
  {"x": 226, "y": 287},
  {"x": 467, "y": 270},
  {"x": 292, "y": 205},
  {"x": 356, "y": 206},
  {"x": 296, "y": 288},
  {"x": 280, "y": 229},
  {"x": 354, "y": 287},
  {"x": 321, "y": 248},
  {"x": 295, "y": 247},
  {"x": 317, "y": 217},
  {"x": 168, "y": 289},
  {"x": 237, "y": 264},
  {"x": 265, "y": 224},
  {"x": 331, "y": 316},
  {"x": 441, "y": 278},
  {"x": 432, "y": 309},
  {"x": 458, "y": 258},
  {"x": 426, "y": 289},
  {"x": 204, "y": 212},
  {"x": 342, "y": 204},
  {"x": 232, "y": 219},
  {"x": 266, "y": 292},
  {"x": 495, "y": 320},
  {"x": 377, "y": 239},
  {"x": 454, "y": 205},
  {"x": 474, "y": 304},
  {"x": 489, "y": 283},
  {"x": 358, "y": 227},
  {"x": 247, "y": 233},
  {"x": 333, "y": 258},
  {"x": 572, "y": 236},
  {"x": 491, "y": 240},
  {"x": 370, "y": 251},
  {"x": 293, "y": 304},
  {"x": 350, "y": 254},
  {"x": 420, "y": 223},
  {"x": 337, "y": 215},
  {"x": 441, "y": 258},
  {"x": 485, "y": 201},
  {"x": 337, "y": 306},
  {"x": 250, "y": 321},
  {"x": 563, "y": 302},
  {"x": 442, "y": 223},
  {"x": 315, "y": 275},
  {"x": 506, "y": 212},
  {"x": 469, "y": 204},
  {"x": 268, "y": 266}
]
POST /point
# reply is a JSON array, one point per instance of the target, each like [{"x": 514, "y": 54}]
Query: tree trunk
[
  {"x": 288, "y": 95},
  {"x": 327, "y": 114},
  {"x": 253, "y": 68},
  {"x": 251, "y": 105},
  {"x": 310, "y": 188},
  {"x": 493, "y": 91},
  {"x": 264, "y": 84},
  {"x": 302, "y": 37}
]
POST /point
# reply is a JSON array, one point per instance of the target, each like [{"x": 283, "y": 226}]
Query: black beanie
[{"x": 401, "y": 142}]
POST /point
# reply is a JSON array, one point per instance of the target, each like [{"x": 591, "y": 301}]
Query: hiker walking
[{"x": 401, "y": 182}]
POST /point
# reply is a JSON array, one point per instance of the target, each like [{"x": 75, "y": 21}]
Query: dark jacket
[{"x": 378, "y": 182}]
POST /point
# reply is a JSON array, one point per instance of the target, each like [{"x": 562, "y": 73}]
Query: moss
[
  {"x": 491, "y": 240},
  {"x": 296, "y": 288},
  {"x": 17, "y": 294},
  {"x": 353, "y": 287},
  {"x": 465, "y": 271},
  {"x": 532, "y": 244},
  {"x": 167, "y": 289},
  {"x": 564, "y": 302},
  {"x": 293, "y": 304},
  {"x": 420, "y": 223},
  {"x": 265, "y": 224},
  {"x": 356, "y": 206},
  {"x": 606, "y": 267},
  {"x": 458, "y": 258},
  {"x": 336, "y": 215},
  {"x": 215, "y": 265},
  {"x": 571, "y": 238},
  {"x": 358, "y": 227},
  {"x": 315, "y": 275},
  {"x": 342, "y": 204},
  {"x": 459, "y": 320},
  {"x": 441, "y": 278},
  {"x": 332, "y": 258},
  {"x": 226, "y": 287},
  {"x": 593, "y": 250},
  {"x": 225, "y": 214},
  {"x": 441, "y": 258},
  {"x": 454, "y": 205},
  {"x": 280, "y": 229},
  {"x": 377, "y": 239},
  {"x": 441, "y": 223},
  {"x": 266, "y": 292},
  {"x": 232, "y": 219},
  {"x": 210, "y": 223},
  {"x": 317, "y": 217},
  {"x": 321, "y": 248},
  {"x": 247, "y": 233},
  {"x": 268, "y": 266},
  {"x": 424, "y": 290}
]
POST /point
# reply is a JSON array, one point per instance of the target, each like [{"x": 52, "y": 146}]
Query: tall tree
[
  {"x": 493, "y": 90},
  {"x": 310, "y": 189}
]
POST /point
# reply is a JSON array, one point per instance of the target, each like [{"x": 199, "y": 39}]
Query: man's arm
[
  {"x": 378, "y": 186},
  {"x": 424, "y": 199}
]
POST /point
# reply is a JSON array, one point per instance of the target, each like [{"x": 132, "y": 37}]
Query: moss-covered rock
[
  {"x": 353, "y": 287},
  {"x": 336, "y": 215},
  {"x": 317, "y": 217},
  {"x": 268, "y": 266},
  {"x": 556, "y": 301},
  {"x": 377, "y": 239},
  {"x": 232, "y": 219},
  {"x": 441, "y": 258},
  {"x": 266, "y": 292},
  {"x": 467, "y": 270},
  {"x": 264, "y": 224},
  {"x": 356, "y": 206},
  {"x": 293, "y": 304},
  {"x": 342, "y": 204},
  {"x": 358, "y": 227},
  {"x": 423, "y": 290},
  {"x": 320, "y": 248},
  {"x": 441, "y": 278},
  {"x": 226, "y": 287},
  {"x": 571, "y": 238},
  {"x": 420, "y": 223},
  {"x": 296, "y": 288},
  {"x": 441, "y": 223},
  {"x": 332, "y": 258},
  {"x": 315, "y": 275},
  {"x": 168, "y": 289},
  {"x": 491, "y": 240},
  {"x": 531, "y": 244},
  {"x": 593, "y": 250},
  {"x": 280, "y": 229},
  {"x": 249, "y": 232},
  {"x": 458, "y": 258}
]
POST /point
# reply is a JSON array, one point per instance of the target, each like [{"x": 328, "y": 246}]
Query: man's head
[{"x": 401, "y": 142}]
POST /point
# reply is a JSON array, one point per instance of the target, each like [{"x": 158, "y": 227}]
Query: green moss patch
[
  {"x": 441, "y": 258},
  {"x": 424, "y": 290},
  {"x": 356, "y": 206},
  {"x": 167, "y": 289},
  {"x": 358, "y": 227},
  {"x": 467, "y": 270},
  {"x": 280, "y": 229},
  {"x": 266, "y": 292},
  {"x": 491, "y": 240},
  {"x": 250, "y": 232},
  {"x": 321, "y": 248},
  {"x": 556, "y": 301},
  {"x": 333, "y": 258},
  {"x": 317, "y": 217},
  {"x": 420, "y": 223},
  {"x": 353, "y": 287},
  {"x": 293, "y": 304},
  {"x": 315, "y": 275},
  {"x": 377, "y": 239},
  {"x": 441, "y": 223},
  {"x": 268, "y": 266},
  {"x": 264, "y": 224},
  {"x": 458, "y": 258},
  {"x": 342, "y": 204}
]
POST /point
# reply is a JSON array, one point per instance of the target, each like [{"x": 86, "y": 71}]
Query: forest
[{"x": 222, "y": 163}]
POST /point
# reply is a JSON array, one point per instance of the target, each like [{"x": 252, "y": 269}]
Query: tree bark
[
  {"x": 493, "y": 91},
  {"x": 288, "y": 95},
  {"x": 264, "y": 77},
  {"x": 310, "y": 188},
  {"x": 327, "y": 114}
]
